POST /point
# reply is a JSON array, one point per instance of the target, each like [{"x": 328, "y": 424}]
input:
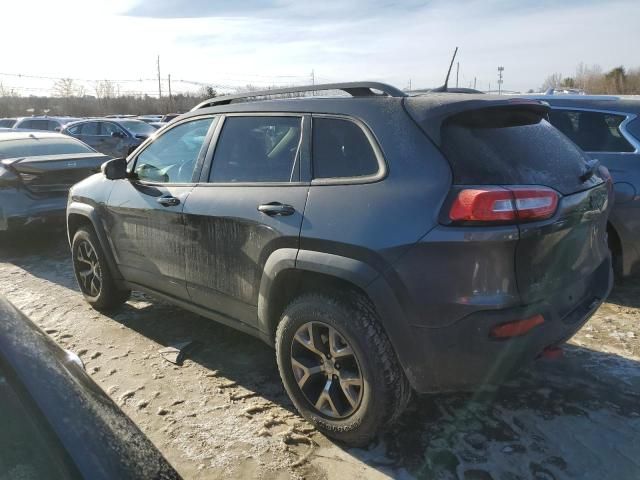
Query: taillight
[{"x": 503, "y": 204}]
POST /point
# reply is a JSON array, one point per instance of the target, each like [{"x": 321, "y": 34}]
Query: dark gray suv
[
  {"x": 608, "y": 129},
  {"x": 117, "y": 137},
  {"x": 381, "y": 243}
]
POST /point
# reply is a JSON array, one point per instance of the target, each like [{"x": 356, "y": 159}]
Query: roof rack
[{"x": 355, "y": 89}]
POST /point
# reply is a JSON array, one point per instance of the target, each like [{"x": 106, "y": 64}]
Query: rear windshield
[
  {"x": 529, "y": 153},
  {"x": 137, "y": 127},
  {"x": 33, "y": 147}
]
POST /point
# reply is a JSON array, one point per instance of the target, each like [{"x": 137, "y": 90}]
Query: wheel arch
[
  {"x": 289, "y": 273},
  {"x": 78, "y": 215}
]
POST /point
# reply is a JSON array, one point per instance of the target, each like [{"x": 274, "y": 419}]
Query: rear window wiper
[{"x": 590, "y": 170}]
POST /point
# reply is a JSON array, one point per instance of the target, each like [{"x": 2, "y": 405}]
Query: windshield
[
  {"x": 34, "y": 147},
  {"x": 138, "y": 127},
  {"x": 7, "y": 122}
]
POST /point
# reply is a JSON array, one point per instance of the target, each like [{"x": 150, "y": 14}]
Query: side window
[
  {"x": 90, "y": 128},
  {"x": 172, "y": 157},
  {"x": 53, "y": 125},
  {"x": 341, "y": 149},
  {"x": 257, "y": 149},
  {"x": 592, "y": 131},
  {"x": 108, "y": 128},
  {"x": 26, "y": 124},
  {"x": 75, "y": 130}
]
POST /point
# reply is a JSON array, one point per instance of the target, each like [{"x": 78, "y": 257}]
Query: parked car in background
[
  {"x": 150, "y": 118},
  {"x": 608, "y": 129},
  {"x": 383, "y": 243},
  {"x": 36, "y": 171},
  {"x": 54, "y": 124},
  {"x": 7, "y": 122},
  {"x": 56, "y": 422},
  {"x": 169, "y": 116},
  {"x": 116, "y": 137}
]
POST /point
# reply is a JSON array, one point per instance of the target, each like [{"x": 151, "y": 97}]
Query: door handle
[
  {"x": 169, "y": 201},
  {"x": 276, "y": 208}
]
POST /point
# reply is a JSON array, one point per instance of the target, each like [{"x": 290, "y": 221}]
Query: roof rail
[{"x": 355, "y": 89}]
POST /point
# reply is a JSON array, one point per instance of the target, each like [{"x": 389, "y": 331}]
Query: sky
[{"x": 281, "y": 42}]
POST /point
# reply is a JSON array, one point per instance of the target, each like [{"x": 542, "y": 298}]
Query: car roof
[
  {"x": 29, "y": 134},
  {"x": 595, "y": 102}
]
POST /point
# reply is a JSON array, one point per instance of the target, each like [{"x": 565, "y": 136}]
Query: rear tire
[
  {"x": 92, "y": 272},
  {"x": 309, "y": 366}
]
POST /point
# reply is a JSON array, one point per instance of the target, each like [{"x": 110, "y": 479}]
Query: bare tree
[
  {"x": 106, "y": 89},
  {"x": 552, "y": 81},
  {"x": 67, "y": 88}
]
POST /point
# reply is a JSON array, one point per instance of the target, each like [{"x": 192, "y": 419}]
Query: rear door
[
  {"x": 144, "y": 212},
  {"x": 249, "y": 203},
  {"x": 113, "y": 139},
  {"x": 89, "y": 133}
]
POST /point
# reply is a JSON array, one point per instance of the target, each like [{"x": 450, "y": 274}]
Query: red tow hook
[{"x": 552, "y": 353}]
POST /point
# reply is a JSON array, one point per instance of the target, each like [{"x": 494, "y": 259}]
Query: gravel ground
[{"x": 223, "y": 413}]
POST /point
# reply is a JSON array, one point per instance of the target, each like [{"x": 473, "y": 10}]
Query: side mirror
[
  {"x": 117, "y": 134},
  {"x": 142, "y": 137},
  {"x": 115, "y": 169}
]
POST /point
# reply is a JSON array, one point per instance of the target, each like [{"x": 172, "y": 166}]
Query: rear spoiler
[{"x": 431, "y": 112}]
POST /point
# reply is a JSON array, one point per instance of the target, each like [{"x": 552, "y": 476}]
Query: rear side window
[
  {"x": 341, "y": 149},
  {"x": 257, "y": 149},
  {"x": 32, "y": 147},
  {"x": 34, "y": 124},
  {"x": 90, "y": 128},
  {"x": 592, "y": 131}
]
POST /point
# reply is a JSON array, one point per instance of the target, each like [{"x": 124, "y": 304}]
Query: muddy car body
[
  {"x": 381, "y": 242},
  {"x": 36, "y": 171},
  {"x": 58, "y": 423}
]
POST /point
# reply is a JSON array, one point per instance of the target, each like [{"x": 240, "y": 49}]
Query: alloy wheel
[
  {"x": 88, "y": 269},
  {"x": 326, "y": 370}
]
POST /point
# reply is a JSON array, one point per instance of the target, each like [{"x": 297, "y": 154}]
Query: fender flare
[
  {"x": 89, "y": 212},
  {"x": 395, "y": 320}
]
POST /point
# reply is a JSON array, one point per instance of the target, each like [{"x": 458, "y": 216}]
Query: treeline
[
  {"x": 594, "y": 80},
  {"x": 89, "y": 105}
]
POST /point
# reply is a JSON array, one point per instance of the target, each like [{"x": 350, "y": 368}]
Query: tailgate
[
  {"x": 57, "y": 173},
  {"x": 558, "y": 257}
]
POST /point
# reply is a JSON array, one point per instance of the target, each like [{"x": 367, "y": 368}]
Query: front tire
[
  {"x": 92, "y": 272},
  {"x": 339, "y": 367}
]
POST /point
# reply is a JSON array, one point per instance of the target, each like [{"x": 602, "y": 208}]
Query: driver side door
[{"x": 144, "y": 212}]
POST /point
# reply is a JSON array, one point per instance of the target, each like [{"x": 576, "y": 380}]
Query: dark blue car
[{"x": 608, "y": 129}]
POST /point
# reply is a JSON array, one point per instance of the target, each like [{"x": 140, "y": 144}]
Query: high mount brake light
[{"x": 503, "y": 204}]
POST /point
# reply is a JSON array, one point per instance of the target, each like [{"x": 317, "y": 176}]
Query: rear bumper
[
  {"x": 463, "y": 356},
  {"x": 19, "y": 209}
]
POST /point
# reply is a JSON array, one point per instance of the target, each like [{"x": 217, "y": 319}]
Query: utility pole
[
  {"x": 313, "y": 80},
  {"x": 474, "y": 82},
  {"x": 170, "y": 96},
  {"x": 500, "y": 70},
  {"x": 159, "y": 82},
  {"x": 457, "y": 72},
  {"x": 489, "y": 88},
  {"x": 409, "y": 84}
]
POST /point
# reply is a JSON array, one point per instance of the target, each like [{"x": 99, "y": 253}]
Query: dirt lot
[{"x": 223, "y": 413}]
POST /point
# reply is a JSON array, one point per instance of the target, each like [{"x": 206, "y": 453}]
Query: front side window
[
  {"x": 109, "y": 129},
  {"x": 592, "y": 131},
  {"x": 257, "y": 149},
  {"x": 341, "y": 149},
  {"x": 172, "y": 157}
]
